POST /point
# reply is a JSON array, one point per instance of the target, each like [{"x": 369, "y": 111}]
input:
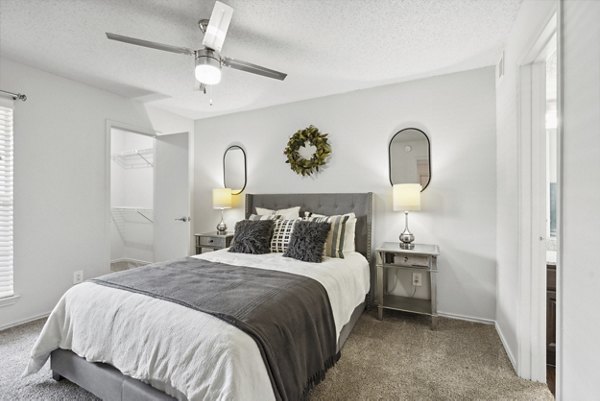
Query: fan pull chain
[{"x": 210, "y": 99}]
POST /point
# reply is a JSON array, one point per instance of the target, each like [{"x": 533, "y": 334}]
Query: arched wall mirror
[
  {"x": 409, "y": 158},
  {"x": 234, "y": 169}
]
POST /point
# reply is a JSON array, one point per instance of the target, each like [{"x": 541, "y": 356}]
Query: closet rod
[
  {"x": 15, "y": 96},
  {"x": 144, "y": 216},
  {"x": 146, "y": 160}
]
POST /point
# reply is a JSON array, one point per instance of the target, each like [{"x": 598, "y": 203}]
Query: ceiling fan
[{"x": 208, "y": 59}]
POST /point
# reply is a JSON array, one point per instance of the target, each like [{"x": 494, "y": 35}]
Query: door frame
[
  {"x": 531, "y": 324},
  {"x": 110, "y": 125}
]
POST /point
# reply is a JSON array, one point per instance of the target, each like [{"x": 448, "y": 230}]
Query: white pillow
[
  {"x": 349, "y": 233},
  {"x": 286, "y": 214},
  {"x": 258, "y": 217}
]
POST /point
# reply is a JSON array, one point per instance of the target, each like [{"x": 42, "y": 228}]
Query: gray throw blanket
[{"x": 288, "y": 316}]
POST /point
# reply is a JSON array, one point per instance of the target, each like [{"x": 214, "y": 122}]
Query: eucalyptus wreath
[{"x": 311, "y": 136}]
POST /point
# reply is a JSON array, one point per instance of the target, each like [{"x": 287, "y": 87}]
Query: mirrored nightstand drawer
[{"x": 212, "y": 241}]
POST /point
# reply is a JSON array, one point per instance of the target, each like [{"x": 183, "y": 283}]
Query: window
[{"x": 6, "y": 199}]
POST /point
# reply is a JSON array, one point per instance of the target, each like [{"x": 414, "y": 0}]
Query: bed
[{"x": 86, "y": 319}]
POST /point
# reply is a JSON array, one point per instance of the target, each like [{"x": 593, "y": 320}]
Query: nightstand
[
  {"x": 422, "y": 258},
  {"x": 212, "y": 241}
]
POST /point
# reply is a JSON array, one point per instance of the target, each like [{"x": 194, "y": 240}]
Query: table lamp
[
  {"x": 407, "y": 197},
  {"x": 221, "y": 199}
]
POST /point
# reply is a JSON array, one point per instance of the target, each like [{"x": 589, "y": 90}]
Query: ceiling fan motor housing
[{"x": 208, "y": 66}]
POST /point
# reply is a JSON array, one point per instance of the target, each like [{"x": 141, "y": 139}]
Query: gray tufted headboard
[{"x": 327, "y": 204}]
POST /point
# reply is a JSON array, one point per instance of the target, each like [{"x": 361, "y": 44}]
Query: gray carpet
[
  {"x": 397, "y": 359},
  {"x": 15, "y": 346},
  {"x": 400, "y": 358}
]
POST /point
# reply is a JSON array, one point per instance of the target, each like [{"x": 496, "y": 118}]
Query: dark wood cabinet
[
  {"x": 551, "y": 315},
  {"x": 551, "y": 325}
]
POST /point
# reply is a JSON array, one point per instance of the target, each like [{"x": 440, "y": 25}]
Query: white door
[{"x": 171, "y": 197}]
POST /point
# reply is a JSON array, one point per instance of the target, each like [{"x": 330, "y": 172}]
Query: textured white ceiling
[{"x": 326, "y": 46}]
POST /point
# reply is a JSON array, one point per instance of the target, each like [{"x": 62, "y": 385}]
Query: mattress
[{"x": 182, "y": 352}]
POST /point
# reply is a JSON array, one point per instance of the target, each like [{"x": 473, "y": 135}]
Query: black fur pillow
[
  {"x": 308, "y": 240},
  {"x": 252, "y": 236}
]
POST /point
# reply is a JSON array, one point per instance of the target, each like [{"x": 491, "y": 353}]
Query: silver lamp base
[
  {"x": 222, "y": 227},
  {"x": 406, "y": 237}
]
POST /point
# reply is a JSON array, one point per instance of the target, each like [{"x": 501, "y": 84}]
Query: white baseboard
[
  {"x": 456, "y": 316},
  {"x": 511, "y": 357},
  {"x": 129, "y": 260},
  {"x": 23, "y": 321}
]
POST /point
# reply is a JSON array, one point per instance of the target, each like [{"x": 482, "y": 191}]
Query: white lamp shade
[
  {"x": 407, "y": 197},
  {"x": 221, "y": 198}
]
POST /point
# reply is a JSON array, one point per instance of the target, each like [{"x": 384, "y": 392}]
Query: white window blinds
[{"x": 6, "y": 199}]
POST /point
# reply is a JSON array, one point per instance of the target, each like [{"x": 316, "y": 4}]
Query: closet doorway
[
  {"x": 131, "y": 199},
  {"x": 149, "y": 215}
]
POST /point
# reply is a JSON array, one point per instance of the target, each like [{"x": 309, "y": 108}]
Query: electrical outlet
[
  {"x": 77, "y": 276},
  {"x": 417, "y": 279}
]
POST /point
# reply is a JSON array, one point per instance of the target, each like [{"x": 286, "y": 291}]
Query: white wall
[
  {"x": 581, "y": 197},
  {"x": 531, "y": 19},
  {"x": 60, "y": 181},
  {"x": 459, "y": 207}
]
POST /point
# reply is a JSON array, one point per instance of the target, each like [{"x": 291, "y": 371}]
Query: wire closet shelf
[
  {"x": 123, "y": 214},
  {"x": 136, "y": 158}
]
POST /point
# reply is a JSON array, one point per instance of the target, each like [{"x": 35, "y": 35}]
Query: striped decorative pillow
[
  {"x": 349, "y": 230},
  {"x": 257, "y": 217},
  {"x": 282, "y": 233},
  {"x": 334, "y": 246}
]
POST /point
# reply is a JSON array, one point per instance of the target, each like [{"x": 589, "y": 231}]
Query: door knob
[{"x": 184, "y": 219}]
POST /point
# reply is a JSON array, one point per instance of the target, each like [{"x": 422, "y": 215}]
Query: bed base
[
  {"x": 101, "y": 379},
  {"x": 107, "y": 383}
]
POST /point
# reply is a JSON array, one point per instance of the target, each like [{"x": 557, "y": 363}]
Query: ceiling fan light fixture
[
  {"x": 208, "y": 67},
  {"x": 208, "y": 74}
]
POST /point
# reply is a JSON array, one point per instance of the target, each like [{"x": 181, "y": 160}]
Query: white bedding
[{"x": 185, "y": 353}]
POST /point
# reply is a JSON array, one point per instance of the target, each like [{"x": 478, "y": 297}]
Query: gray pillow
[
  {"x": 252, "y": 237},
  {"x": 308, "y": 240}
]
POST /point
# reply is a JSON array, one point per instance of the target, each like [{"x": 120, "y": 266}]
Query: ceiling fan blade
[
  {"x": 253, "y": 68},
  {"x": 152, "y": 45},
  {"x": 217, "y": 26}
]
